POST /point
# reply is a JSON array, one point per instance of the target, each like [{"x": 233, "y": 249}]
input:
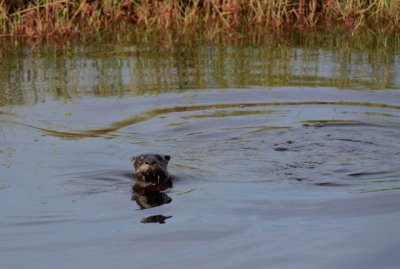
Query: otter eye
[{"x": 141, "y": 159}]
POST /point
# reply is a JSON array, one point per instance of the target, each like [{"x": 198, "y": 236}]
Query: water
[{"x": 281, "y": 157}]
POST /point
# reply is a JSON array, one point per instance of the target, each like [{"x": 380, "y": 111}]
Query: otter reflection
[
  {"x": 155, "y": 219},
  {"x": 149, "y": 195}
]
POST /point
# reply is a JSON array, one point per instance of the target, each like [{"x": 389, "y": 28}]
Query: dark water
[{"x": 282, "y": 157}]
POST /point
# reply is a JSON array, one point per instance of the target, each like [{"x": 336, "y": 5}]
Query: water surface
[{"x": 282, "y": 157}]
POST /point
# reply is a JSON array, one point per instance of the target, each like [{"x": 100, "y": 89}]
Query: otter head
[{"x": 151, "y": 167}]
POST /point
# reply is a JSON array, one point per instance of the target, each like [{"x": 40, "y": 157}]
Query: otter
[
  {"x": 152, "y": 179},
  {"x": 151, "y": 168}
]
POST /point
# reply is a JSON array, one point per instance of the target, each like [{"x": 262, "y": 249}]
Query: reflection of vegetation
[
  {"x": 381, "y": 190},
  {"x": 107, "y": 131},
  {"x": 258, "y": 129},
  {"x": 332, "y": 122},
  {"x": 370, "y": 113},
  {"x": 186, "y": 191},
  {"x": 235, "y": 113},
  {"x": 269, "y": 128},
  {"x": 28, "y": 75}
]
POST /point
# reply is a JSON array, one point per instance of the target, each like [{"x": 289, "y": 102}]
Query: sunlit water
[{"x": 281, "y": 158}]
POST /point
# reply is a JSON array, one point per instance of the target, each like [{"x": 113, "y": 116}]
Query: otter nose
[{"x": 150, "y": 162}]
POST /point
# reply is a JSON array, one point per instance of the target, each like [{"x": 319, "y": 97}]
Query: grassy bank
[{"x": 65, "y": 18}]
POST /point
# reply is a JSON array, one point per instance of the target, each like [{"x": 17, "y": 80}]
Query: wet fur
[{"x": 151, "y": 168}]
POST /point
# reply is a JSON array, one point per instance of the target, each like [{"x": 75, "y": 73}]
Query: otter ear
[
  {"x": 133, "y": 158},
  {"x": 167, "y": 158}
]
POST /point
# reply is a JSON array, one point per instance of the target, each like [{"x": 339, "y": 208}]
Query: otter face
[{"x": 151, "y": 167}]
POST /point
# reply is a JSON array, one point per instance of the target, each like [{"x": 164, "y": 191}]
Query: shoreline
[{"x": 66, "y": 20}]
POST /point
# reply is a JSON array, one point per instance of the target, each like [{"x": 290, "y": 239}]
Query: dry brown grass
[{"x": 64, "y": 18}]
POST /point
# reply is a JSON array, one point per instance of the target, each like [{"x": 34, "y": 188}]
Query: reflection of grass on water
[
  {"x": 331, "y": 122},
  {"x": 337, "y": 122},
  {"x": 380, "y": 190},
  {"x": 186, "y": 191},
  {"x": 107, "y": 132},
  {"x": 370, "y": 113},
  {"x": 29, "y": 75},
  {"x": 263, "y": 129},
  {"x": 235, "y": 113},
  {"x": 258, "y": 129}
]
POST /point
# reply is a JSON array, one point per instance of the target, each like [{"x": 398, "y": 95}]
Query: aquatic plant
[{"x": 66, "y": 18}]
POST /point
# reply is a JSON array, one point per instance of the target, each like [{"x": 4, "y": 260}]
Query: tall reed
[{"x": 66, "y": 18}]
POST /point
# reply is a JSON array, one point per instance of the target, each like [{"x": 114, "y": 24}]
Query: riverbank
[{"x": 60, "y": 19}]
